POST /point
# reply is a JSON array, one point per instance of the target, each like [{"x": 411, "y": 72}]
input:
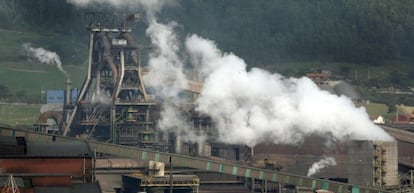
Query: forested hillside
[{"x": 366, "y": 32}]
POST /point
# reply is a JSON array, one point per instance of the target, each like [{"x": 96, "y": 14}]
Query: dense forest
[{"x": 264, "y": 31}]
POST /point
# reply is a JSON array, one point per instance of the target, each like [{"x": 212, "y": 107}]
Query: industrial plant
[{"x": 106, "y": 137}]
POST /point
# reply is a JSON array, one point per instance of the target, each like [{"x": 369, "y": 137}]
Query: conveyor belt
[
  {"x": 400, "y": 134},
  {"x": 199, "y": 163}
]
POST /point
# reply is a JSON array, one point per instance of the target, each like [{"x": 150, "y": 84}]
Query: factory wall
[
  {"x": 74, "y": 168},
  {"x": 58, "y": 96},
  {"x": 373, "y": 163},
  {"x": 406, "y": 152},
  {"x": 55, "y": 96},
  {"x": 390, "y": 156},
  {"x": 298, "y": 158},
  {"x": 360, "y": 170}
]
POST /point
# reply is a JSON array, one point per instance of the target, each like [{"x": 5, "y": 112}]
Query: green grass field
[
  {"x": 30, "y": 77},
  {"x": 19, "y": 115}
]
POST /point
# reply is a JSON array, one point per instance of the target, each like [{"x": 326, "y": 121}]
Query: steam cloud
[
  {"x": 254, "y": 106},
  {"x": 100, "y": 97},
  {"x": 44, "y": 56},
  {"x": 323, "y": 163},
  {"x": 167, "y": 76},
  {"x": 247, "y": 106},
  {"x": 151, "y": 7}
]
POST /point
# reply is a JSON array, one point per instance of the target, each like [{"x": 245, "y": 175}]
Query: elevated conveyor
[
  {"x": 199, "y": 163},
  {"x": 399, "y": 134}
]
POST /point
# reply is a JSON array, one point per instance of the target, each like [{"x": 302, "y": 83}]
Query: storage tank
[{"x": 373, "y": 163}]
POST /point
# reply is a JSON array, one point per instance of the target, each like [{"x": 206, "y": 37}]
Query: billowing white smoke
[
  {"x": 44, "y": 56},
  {"x": 101, "y": 98},
  {"x": 167, "y": 77},
  {"x": 247, "y": 106},
  {"x": 165, "y": 67},
  {"x": 165, "y": 73},
  {"x": 255, "y": 106},
  {"x": 323, "y": 163}
]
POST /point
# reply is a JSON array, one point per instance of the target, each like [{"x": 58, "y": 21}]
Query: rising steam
[
  {"x": 151, "y": 7},
  {"x": 166, "y": 75},
  {"x": 253, "y": 106},
  {"x": 100, "y": 97},
  {"x": 247, "y": 106},
  {"x": 323, "y": 163},
  {"x": 44, "y": 56}
]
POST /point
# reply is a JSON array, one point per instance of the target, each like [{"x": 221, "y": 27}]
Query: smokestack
[{"x": 68, "y": 93}]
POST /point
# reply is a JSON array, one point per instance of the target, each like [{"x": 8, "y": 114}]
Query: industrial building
[
  {"x": 373, "y": 163},
  {"x": 115, "y": 115},
  {"x": 44, "y": 167},
  {"x": 244, "y": 177}
]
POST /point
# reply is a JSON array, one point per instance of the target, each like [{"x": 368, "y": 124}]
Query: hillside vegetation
[{"x": 370, "y": 42}]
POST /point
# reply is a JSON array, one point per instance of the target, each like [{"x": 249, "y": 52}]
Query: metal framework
[
  {"x": 200, "y": 163},
  {"x": 10, "y": 186},
  {"x": 113, "y": 102}
]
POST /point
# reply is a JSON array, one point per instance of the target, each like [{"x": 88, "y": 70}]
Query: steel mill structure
[
  {"x": 115, "y": 114},
  {"x": 113, "y": 103},
  {"x": 113, "y": 98},
  {"x": 221, "y": 167}
]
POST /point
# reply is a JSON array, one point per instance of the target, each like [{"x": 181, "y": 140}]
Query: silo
[{"x": 373, "y": 163}]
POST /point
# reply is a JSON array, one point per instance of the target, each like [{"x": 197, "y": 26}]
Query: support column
[{"x": 253, "y": 184}]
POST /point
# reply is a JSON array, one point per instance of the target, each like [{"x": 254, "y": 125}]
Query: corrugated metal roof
[
  {"x": 76, "y": 188},
  {"x": 86, "y": 188},
  {"x": 9, "y": 141},
  {"x": 52, "y": 190},
  {"x": 59, "y": 149},
  {"x": 12, "y": 146}
]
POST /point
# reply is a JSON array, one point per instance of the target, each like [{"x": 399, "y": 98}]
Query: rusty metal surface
[
  {"x": 43, "y": 165},
  {"x": 203, "y": 164}
]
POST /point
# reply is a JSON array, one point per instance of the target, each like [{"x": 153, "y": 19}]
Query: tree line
[{"x": 263, "y": 31}]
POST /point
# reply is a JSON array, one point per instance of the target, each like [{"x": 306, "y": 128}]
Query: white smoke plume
[
  {"x": 247, "y": 106},
  {"x": 151, "y": 7},
  {"x": 323, "y": 163},
  {"x": 173, "y": 121},
  {"x": 100, "y": 97},
  {"x": 166, "y": 76},
  {"x": 44, "y": 56},
  {"x": 165, "y": 66},
  {"x": 253, "y": 106}
]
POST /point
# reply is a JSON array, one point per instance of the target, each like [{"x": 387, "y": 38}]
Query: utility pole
[{"x": 171, "y": 175}]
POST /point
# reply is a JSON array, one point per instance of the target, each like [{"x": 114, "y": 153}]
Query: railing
[{"x": 200, "y": 163}]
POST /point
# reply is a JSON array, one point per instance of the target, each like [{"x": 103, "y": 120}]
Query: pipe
[
  {"x": 85, "y": 86},
  {"x": 107, "y": 55},
  {"x": 68, "y": 98},
  {"x": 121, "y": 74},
  {"x": 136, "y": 59},
  {"x": 110, "y": 61},
  {"x": 84, "y": 170}
]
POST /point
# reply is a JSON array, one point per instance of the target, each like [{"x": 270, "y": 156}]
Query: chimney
[{"x": 68, "y": 93}]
